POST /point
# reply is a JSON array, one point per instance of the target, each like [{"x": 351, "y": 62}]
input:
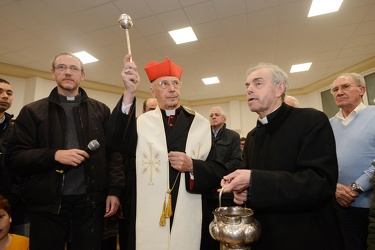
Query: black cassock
[{"x": 293, "y": 180}]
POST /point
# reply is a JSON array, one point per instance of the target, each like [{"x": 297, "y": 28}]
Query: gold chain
[{"x": 170, "y": 190}]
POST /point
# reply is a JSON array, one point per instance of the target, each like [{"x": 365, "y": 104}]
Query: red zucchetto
[{"x": 155, "y": 69}]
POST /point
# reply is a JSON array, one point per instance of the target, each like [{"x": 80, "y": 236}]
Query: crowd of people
[{"x": 75, "y": 175}]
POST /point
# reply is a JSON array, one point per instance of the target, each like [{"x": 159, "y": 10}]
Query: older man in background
[
  {"x": 228, "y": 148},
  {"x": 354, "y": 129}
]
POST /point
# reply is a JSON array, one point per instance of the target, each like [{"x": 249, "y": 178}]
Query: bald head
[
  {"x": 149, "y": 104},
  {"x": 291, "y": 101}
]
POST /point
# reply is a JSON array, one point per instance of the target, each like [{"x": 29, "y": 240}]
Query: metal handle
[
  {"x": 221, "y": 191},
  {"x": 128, "y": 43}
]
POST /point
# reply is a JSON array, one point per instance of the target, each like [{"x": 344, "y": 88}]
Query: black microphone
[{"x": 91, "y": 147}]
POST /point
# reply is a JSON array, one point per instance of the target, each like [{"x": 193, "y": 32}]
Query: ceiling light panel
[{"x": 183, "y": 35}]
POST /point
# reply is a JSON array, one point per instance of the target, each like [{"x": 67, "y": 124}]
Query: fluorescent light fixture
[
  {"x": 183, "y": 35},
  {"x": 320, "y": 7},
  {"x": 211, "y": 80},
  {"x": 85, "y": 57},
  {"x": 300, "y": 67}
]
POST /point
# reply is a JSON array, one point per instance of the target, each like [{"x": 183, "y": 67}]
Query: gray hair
[
  {"x": 360, "y": 80},
  {"x": 67, "y": 54},
  {"x": 221, "y": 110},
  {"x": 278, "y": 75}
]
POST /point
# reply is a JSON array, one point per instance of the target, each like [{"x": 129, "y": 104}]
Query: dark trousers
[
  {"x": 78, "y": 223},
  {"x": 109, "y": 243},
  {"x": 123, "y": 233},
  {"x": 354, "y": 223}
]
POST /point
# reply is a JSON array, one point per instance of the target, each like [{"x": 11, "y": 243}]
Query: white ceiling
[{"x": 232, "y": 35}]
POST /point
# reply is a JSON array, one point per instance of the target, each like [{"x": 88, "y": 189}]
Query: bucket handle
[{"x": 221, "y": 192}]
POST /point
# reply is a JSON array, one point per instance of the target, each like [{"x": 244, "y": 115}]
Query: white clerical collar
[
  {"x": 64, "y": 98},
  {"x": 170, "y": 112},
  {"x": 264, "y": 120}
]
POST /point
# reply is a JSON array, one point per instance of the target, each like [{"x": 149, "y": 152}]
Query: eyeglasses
[
  {"x": 63, "y": 67},
  {"x": 344, "y": 87},
  {"x": 165, "y": 84}
]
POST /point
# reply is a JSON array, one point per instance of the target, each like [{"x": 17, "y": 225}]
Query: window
[
  {"x": 370, "y": 88},
  {"x": 329, "y": 105}
]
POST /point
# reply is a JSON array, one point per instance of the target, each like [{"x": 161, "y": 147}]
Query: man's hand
[
  {"x": 111, "y": 206},
  {"x": 71, "y": 157},
  {"x": 236, "y": 181},
  {"x": 130, "y": 78},
  {"x": 180, "y": 161},
  {"x": 345, "y": 196},
  {"x": 240, "y": 198}
]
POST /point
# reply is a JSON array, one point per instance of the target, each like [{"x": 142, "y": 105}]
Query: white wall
[{"x": 239, "y": 117}]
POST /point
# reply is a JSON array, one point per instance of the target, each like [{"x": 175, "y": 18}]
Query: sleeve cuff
[{"x": 125, "y": 109}]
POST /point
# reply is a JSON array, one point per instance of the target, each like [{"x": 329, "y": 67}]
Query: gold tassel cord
[
  {"x": 162, "y": 220},
  {"x": 167, "y": 211}
]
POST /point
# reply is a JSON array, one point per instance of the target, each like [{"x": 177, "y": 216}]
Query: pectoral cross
[{"x": 196, "y": 155}]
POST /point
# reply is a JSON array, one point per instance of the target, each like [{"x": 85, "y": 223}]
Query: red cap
[{"x": 155, "y": 69}]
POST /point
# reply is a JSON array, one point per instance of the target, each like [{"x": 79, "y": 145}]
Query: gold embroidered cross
[
  {"x": 197, "y": 155},
  {"x": 150, "y": 163}
]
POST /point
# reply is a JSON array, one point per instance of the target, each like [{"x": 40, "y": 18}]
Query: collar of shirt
[
  {"x": 170, "y": 116},
  {"x": 69, "y": 99},
  {"x": 264, "y": 120},
  {"x": 216, "y": 132},
  {"x": 170, "y": 112},
  {"x": 351, "y": 116}
]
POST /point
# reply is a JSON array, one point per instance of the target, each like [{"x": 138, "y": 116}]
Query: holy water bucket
[{"x": 235, "y": 227}]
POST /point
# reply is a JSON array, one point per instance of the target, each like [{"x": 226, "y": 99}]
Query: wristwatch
[{"x": 356, "y": 187}]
